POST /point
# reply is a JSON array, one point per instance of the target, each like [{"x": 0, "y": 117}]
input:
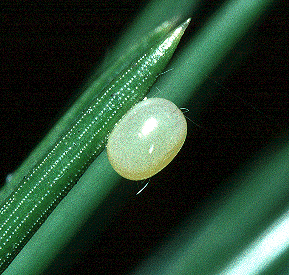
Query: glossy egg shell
[{"x": 146, "y": 139}]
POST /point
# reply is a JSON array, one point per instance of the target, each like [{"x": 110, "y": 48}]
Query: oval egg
[{"x": 146, "y": 139}]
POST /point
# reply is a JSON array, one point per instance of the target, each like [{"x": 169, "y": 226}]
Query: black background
[{"x": 48, "y": 50}]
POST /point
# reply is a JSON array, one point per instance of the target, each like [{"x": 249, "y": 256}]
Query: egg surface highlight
[{"x": 146, "y": 139}]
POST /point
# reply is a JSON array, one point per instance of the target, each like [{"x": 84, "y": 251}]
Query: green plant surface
[
  {"x": 190, "y": 68},
  {"x": 54, "y": 175},
  {"x": 243, "y": 232},
  {"x": 91, "y": 89}
]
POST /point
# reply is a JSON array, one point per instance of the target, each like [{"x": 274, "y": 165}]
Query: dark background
[{"x": 46, "y": 53}]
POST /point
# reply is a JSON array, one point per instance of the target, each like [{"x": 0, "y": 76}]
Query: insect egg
[{"x": 146, "y": 139}]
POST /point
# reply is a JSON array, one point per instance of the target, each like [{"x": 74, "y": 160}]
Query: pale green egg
[{"x": 146, "y": 139}]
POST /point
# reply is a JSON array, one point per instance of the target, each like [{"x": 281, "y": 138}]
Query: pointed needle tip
[{"x": 185, "y": 24}]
